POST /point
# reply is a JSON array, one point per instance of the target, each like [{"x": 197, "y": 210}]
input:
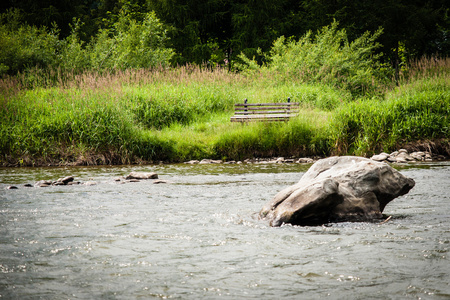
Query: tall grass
[
  {"x": 425, "y": 68},
  {"x": 418, "y": 110},
  {"x": 132, "y": 116},
  {"x": 303, "y": 136}
]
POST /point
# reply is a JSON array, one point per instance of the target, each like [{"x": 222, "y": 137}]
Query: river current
[{"x": 198, "y": 236}]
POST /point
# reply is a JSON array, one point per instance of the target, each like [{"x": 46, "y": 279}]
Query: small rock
[
  {"x": 395, "y": 153},
  {"x": 73, "y": 183},
  {"x": 209, "y": 161},
  {"x": 28, "y": 185},
  {"x": 391, "y": 159},
  {"x": 133, "y": 180},
  {"x": 43, "y": 183},
  {"x": 279, "y": 160},
  {"x": 11, "y": 187},
  {"x": 160, "y": 181},
  {"x": 405, "y": 156},
  {"x": 418, "y": 155},
  {"x": 65, "y": 180},
  {"x": 89, "y": 183},
  {"x": 192, "y": 162},
  {"x": 58, "y": 183},
  {"x": 380, "y": 157},
  {"x": 142, "y": 175},
  {"x": 400, "y": 159},
  {"x": 410, "y": 158},
  {"x": 273, "y": 161},
  {"x": 305, "y": 160}
]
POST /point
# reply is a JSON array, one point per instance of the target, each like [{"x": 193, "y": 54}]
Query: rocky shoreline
[
  {"x": 401, "y": 156},
  {"x": 418, "y": 151}
]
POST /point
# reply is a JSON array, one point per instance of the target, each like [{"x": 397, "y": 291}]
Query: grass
[
  {"x": 179, "y": 114},
  {"x": 414, "y": 111}
]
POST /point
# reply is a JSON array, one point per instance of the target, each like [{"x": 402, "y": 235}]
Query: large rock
[{"x": 338, "y": 189}]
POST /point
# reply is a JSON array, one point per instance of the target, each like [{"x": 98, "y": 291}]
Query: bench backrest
[{"x": 265, "y": 111}]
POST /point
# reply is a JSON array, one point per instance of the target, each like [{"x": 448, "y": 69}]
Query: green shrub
[
  {"x": 131, "y": 44},
  {"x": 72, "y": 53},
  {"x": 328, "y": 58},
  {"x": 127, "y": 44},
  {"x": 25, "y": 46}
]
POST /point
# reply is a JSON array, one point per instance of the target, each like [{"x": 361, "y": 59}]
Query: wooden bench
[{"x": 265, "y": 112}]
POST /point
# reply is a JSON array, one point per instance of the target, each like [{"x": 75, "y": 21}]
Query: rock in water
[
  {"x": 142, "y": 175},
  {"x": 338, "y": 189},
  {"x": 65, "y": 180},
  {"x": 43, "y": 183}
]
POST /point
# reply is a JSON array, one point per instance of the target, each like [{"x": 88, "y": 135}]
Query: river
[{"x": 198, "y": 236}]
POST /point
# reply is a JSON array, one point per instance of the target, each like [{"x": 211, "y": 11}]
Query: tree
[
  {"x": 411, "y": 28},
  {"x": 211, "y": 31},
  {"x": 49, "y": 12},
  {"x": 200, "y": 28}
]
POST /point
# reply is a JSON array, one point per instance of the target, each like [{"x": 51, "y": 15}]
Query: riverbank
[
  {"x": 419, "y": 152},
  {"x": 183, "y": 114}
]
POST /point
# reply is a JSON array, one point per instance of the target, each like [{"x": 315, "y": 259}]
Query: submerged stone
[
  {"x": 133, "y": 180},
  {"x": 43, "y": 183},
  {"x": 159, "y": 181},
  {"x": 142, "y": 175}
]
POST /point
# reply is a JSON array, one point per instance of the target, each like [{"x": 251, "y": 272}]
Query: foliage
[
  {"x": 25, "y": 46},
  {"x": 328, "y": 57},
  {"x": 131, "y": 44},
  {"x": 128, "y": 44},
  {"x": 72, "y": 53},
  {"x": 216, "y": 31},
  {"x": 417, "y": 26}
]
